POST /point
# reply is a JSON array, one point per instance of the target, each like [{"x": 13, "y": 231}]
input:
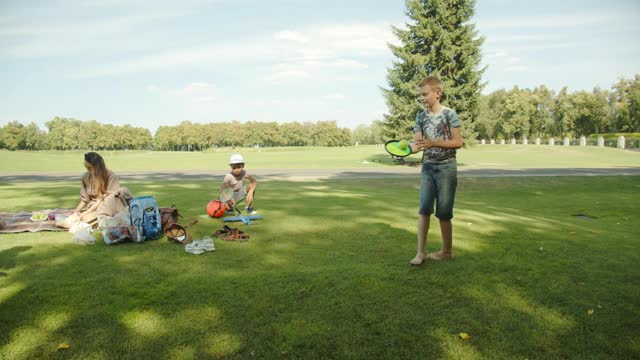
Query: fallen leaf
[
  {"x": 464, "y": 336},
  {"x": 63, "y": 346},
  {"x": 590, "y": 312}
]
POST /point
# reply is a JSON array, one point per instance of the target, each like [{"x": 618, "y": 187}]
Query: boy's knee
[{"x": 444, "y": 216}]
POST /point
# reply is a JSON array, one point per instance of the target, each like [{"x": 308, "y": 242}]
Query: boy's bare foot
[
  {"x": 439, "y": 256},
  {"x": 418, "y": 259}
]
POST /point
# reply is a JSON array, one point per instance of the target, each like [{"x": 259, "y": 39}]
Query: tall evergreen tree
[{"x": 441, "y": 41}]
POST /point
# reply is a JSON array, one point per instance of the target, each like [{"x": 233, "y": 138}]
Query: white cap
[{"x": 236, "y": 159}]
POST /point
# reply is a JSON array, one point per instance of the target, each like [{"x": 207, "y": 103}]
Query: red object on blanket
[{"x": 216, "y": 208}]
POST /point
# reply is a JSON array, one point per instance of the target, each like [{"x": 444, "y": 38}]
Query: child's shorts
[
  {"x": 438, "y": 185},
  {"x": 236, "y": 196}
]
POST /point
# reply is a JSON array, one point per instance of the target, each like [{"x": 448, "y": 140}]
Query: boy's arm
[
  {"x": 224, "y": 185},
  {"x": 252, "y": 182},
  {"x": 454, "y": 143},
  {"x": 417, "y": 143}
]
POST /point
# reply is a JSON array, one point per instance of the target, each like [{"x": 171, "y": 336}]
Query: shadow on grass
[
  {"x": 326, "y": 275},
  {"x": 386, "y": 159}
]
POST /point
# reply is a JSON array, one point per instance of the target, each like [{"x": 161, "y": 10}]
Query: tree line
[
  {"x": 525, "y": 113},
  {"x": 71, "y": 134},
  {"x": 503, "y": 114}
]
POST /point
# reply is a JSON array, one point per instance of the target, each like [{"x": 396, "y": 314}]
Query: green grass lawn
[
  {"x": 362, "y": 157},
  {"x": 325, "y": 276}
]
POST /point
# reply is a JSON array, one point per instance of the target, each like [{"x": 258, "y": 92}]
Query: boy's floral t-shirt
[{"x": 437, "y": 126}]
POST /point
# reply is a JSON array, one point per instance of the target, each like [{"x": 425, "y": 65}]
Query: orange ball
[{"x": 216, "y": 209}]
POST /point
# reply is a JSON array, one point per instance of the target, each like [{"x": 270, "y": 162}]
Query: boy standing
[
  {"x": 437, "y": 132},
  {"x": 233, "y": 190}
]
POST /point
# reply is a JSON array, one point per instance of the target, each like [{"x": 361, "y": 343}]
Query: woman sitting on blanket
[{"x": 101, "y": 194}]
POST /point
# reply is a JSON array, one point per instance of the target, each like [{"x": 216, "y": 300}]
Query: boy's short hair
[{"x": 432, "y": 81}]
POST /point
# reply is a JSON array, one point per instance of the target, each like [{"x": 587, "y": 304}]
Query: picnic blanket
[{"x": 21, "y": 221}]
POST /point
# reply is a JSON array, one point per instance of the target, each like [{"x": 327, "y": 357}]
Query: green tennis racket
[{"x": 399, "y": 148}]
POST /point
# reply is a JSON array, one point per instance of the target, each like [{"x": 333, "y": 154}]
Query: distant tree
[
  {"x": 12, "y": 135},
  {"x": 517, "y": 114},
  {"x": 489, "y": 109},
  {"x": 362, "y": 135},
  {"x": 565, "y": 114},
  {"x": 33, "y": 137},
  {"x": 90, "y": 132},
  {"x": 166, "y": 138},
  {"x": 294, "y": 134},
  {"x": 440, "y": 40},
  {"x": 543, "y": 118},
  {"x": 591, "y": 112},
  {"x": 108, "y": 138},
  {"x": 626, "y": 103},
  {"x": 368, "y": 134},
  {"x": 57, "y": 132},
  {"x": 634, "y": 103},
  {"x": 327, "y": 133},
  {"x": 377, "y": 131}
]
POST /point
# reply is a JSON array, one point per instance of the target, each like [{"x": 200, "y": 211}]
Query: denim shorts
[{"x": 438, "y": 185}]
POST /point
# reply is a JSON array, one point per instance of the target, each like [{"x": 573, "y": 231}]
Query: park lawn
[
  {"x": 368, "y": 157},
  {"x": 326, "y": 275}
]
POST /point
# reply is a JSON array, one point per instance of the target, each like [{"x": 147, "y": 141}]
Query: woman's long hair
[{"x": 100, "y": 176}]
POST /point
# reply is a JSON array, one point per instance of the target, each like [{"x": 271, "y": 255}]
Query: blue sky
[{"x": 153, "y": 63}]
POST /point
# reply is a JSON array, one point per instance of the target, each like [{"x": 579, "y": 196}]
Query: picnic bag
[
  {"x": 168, "y": 216},
  {"x": 145, "y": 216}
]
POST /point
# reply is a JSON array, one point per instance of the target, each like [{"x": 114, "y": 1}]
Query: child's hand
[
  {"x": 419, "y": 145},
  {"x": 424, "y": 144}
]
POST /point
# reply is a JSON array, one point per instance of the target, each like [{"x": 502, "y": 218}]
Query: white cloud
[
  {"x": 516, "y": 68},
  {"x": 504, "y": 60},
  {"x": 283, "y": 74},
  {"x": 326, "y": 49},
  {"x": 297, "y": 69},
  {"x": 334, "y": 96},
  {"x": 512, "y": 60},
  {"x": 547, "y": 21},
  {"x": 290, "y": 36},
  {"x": 289, "y": 54},
  {"x": 499, "y": 38},
  {"x": 62, "y": 37},
  {"x": 361, "y": 38},
  {"x": 195, "y": 92},
  {"x": 207, "y": 55}
]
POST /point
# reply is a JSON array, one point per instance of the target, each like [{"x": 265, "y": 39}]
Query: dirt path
[{"x": 312, "y": 174}]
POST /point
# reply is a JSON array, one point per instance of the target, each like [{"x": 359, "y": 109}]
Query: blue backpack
[{"x": 145, "y": 216}]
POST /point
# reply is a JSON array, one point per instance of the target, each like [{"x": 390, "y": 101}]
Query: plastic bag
[
  {"x": 68, "y": 221},
  {"x": 82, "y": 234},
  {"x": 121, "y": 233},
  {"x": 121, "y": 218}
]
